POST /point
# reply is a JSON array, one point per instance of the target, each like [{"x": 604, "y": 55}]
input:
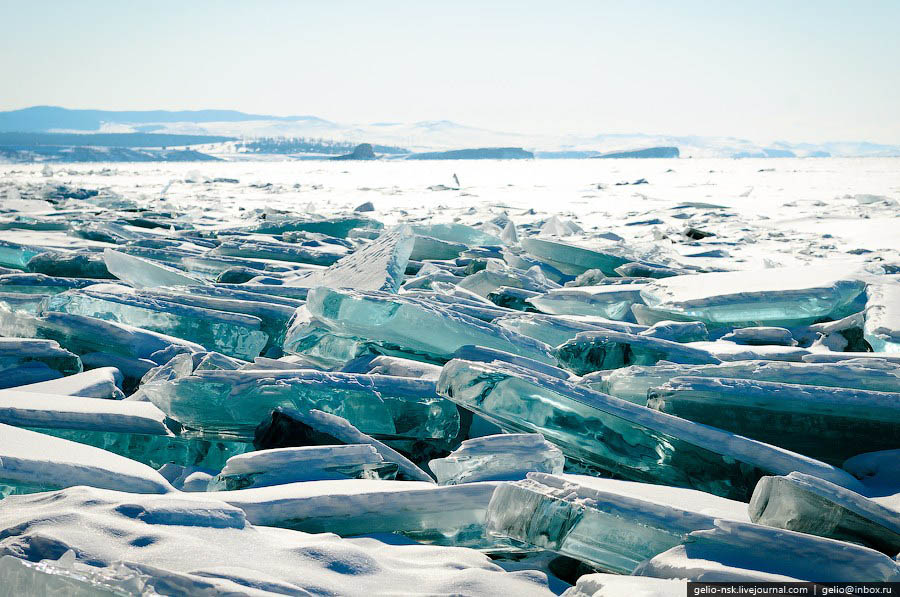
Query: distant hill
[
  {"x": 484, "y": 153},
  {"x": 50, "y": 118},
  {"x": 27, "y": 140},
  {"x": 649, "y": 152}
]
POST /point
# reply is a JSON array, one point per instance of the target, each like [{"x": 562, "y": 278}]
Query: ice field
[{"x": 524, "y": 377}]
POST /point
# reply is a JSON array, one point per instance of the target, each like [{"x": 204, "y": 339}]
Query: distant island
[
  {"x": 484, "y": 153},
  {"x": 650, "y": 152},
  {"x": 105, "y": 147}
]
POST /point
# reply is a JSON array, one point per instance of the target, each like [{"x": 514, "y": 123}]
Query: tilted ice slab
[
  {"x": 397, "y": 366},
  {"x": 30, "y": 409},
  {"x": 629, "y": 440},
  {"x": 412, "y": 324},
  {"x": 573, "y": 259},
  {"x": 775, "y": 297},
  {"x": 204, "y": 546},
  {"x": 632, "y": 383},
  {"x": 280, "y": 466},
  {"x": 380, "y": 265},
  {"x": 600, "y": 350},
  {"x": 617, "y": 525},
  {"x": 235, "y": 402},
  {"x": 827, "y": 423},
  {"x": 145, "y": 273},
  {"x": 31, "y": 461},
  {"x": 609, "y": 301},
  {"x": 103, "y": 382},
  {"x": 131, "y": 349},
  {"x": 882, "y": 327},
  {"x": 234, "y": 334},
  {"x": 30, "y": 360},
  {"x": 498, "y": 458},
  {"x": 556, "y": 329},
  {"x": 457, "y": 233},
  {"x": 255, "y": 248},
  {"x": 811, "y": 505},
  {"x": 338, "y": 226},
  {"x": 449, "y": 515},
  {"x": 319, "y": 427}
]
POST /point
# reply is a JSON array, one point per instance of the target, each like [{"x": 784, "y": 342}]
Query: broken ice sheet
[
  {"x": 194, "y": 544},
  {"x": 234, "y": 334},
  {"x": 782, "y": 297},
  {"x": 31, "y": 461},
  {"x": 103, "y": 382},
  {"x": 556, "y": 329},
  {"x": 829, "y": 424},
  {"x": 144, "y": 273},
  {"x": 309, "y": 463},
  {"x": 443, "y": 515},
  {"x": 233, "y": 403},
  {"x": 633, "y": 383},
  {"x": 808, "y": 504},
  {"x": 595, "y": 351},
  {"x": 380, "y": 265},
  {"x": 399, "y": 321},
  {"x": 619, "y": 526},
  {"x": 30, "y": 360},
  {"x": 498, "y": 458},
  {"x": 573, "y": 259},
  {"x": 618, "y": 436},
  {"x": 609, "y": 301}
]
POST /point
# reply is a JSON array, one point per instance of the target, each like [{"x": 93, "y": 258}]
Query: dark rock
[
  {"x": 367, "y": 206},
  {"x": 696, "y": 233}
]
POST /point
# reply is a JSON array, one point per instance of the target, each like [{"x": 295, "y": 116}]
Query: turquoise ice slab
[
  {"x": 144, "y": 273},
  {"x": 807, "y": 504},
  {"x": 621, "y": 526},
  {"x": 609, "y": 301},
  {"x": 575, "y": 260},
  {"x": 556, "y": 329},
  {"x": 413, "y": 325},
  {"x": 607, "y": 349},
  {"x": 338, "y": 227},
  {"x": 41, "y": 284},
  {"x": 783, "y": 297},
  {"x": 829, "y": 424},
  {"x": 457, "y": 233},
  {"x": 30, "y": 360},
  {"x": 323, "y": 254},
  {"x": 633, "y": 383},
  {"x": 629, "y": 440},
  {"x": 234, "y": 334},
  {"x": 233, "y": 403}
]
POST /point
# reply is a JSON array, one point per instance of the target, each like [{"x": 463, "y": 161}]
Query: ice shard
[
  {"x": 339, "y": 226},
  {"x": 131, "y": 349},
  {"x": 31, "y": 461},
  {"x": 556, "y": 329},
  {"x": 573, "y": 259},
  {"x": 291, "y": 427},
  {"x": 806, "y": 504},
  {"x": 30, "y": 360},
  {"x": 395, "y": 321},
  {"x": 882, "y": 326},
  {"x": 457, "y": 233},
  {"x": 498, "y": 458},
  {"x": 596, "y": 351},
  {"x": 320, "y": 254},
  {"x": 104, "y": 382},
  {"x": 623, "y": 527},
  {"x": 144, "y": 273},
  {"x": 633, "y": 383},
  {"x": 280, "y": 466},
  {"x": 626, "y": 439},
  {"x": 608, "y": 301},
  {"x": 774, "y": 297},
  {"x": 234, "y": 334},
  {"x": 451, "y": 515},
  {"x": 233, "y": 403},
  {"x": 829, "y": 424},
  {"x": 380, "y": 265}
]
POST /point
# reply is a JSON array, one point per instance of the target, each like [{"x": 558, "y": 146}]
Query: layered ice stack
[{"x": 293, "y": 403}]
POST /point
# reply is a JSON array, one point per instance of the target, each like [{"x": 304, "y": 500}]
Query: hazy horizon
[{"x": 804, "y": 71}]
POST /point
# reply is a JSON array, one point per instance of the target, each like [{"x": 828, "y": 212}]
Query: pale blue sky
[{"x": 802, "y": 70}]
